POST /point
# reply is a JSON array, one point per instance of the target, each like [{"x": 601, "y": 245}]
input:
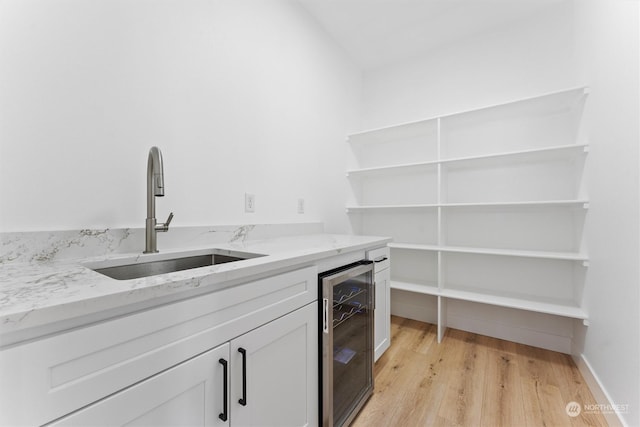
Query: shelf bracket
[
  {"x": 585, "y": 205},
  {"x": 585, "y": 322},
  {"x": 585, "y": 263}
]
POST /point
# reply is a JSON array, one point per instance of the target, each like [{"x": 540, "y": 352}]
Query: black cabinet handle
[
  {"x": 243, "y": 400},
  {"x": 225, "y": 375}
]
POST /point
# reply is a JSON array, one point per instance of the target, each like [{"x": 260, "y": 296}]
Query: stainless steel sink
[{"x": 135, "y": 270}]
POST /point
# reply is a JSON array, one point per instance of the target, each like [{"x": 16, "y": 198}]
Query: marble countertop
[{"x": 36, "y": 294}]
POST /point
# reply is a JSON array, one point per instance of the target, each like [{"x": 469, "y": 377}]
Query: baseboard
[
  {"x": 535, "y": 329},
  {"x": 512, "y": 333},
  {"x": 599, "y": 392},
  {"x": 410, "y": 305}
]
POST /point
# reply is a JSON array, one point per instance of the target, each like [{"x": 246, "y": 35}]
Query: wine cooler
[{"x": 346, "y": 321}]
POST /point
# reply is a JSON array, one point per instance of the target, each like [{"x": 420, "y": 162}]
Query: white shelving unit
[{"x": 486, "y": 205}]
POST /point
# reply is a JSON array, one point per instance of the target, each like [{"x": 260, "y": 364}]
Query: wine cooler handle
[
  {"x": 373, "y": 295},
  {"x": 225, "y": 375},
  {"x": 325, "y": 315},
  {"x": 243, "y": 400}
]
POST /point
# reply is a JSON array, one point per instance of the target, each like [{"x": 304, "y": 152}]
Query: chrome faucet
[{"x": 155, "y": 188}]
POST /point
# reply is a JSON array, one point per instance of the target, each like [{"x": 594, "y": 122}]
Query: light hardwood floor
[{"x": 471, "y": 380}]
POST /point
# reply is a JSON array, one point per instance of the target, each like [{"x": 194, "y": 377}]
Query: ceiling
[{"x": 379, "y": 32}]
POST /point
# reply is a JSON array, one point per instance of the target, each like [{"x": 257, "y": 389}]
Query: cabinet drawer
[
  {"x": 381, "y": 258},
  {"x": 48, "y": 378}
]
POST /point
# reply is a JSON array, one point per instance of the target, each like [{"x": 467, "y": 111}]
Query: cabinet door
[
  {"x": 189, "y": 394},
  {"x": 275, "y": 372},
  {"x": 382, "y": 316}
]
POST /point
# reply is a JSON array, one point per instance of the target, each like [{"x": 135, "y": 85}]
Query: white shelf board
[
  {"x": 565, "y": 309},
  {"x": 406, "y": 167},
  {"x": 559, "y": 309},
  {"x": 417, "y": 287},
  {"x": 390, "y": 207},
  {"x": 398, "y": 131},
  {"x": 571, "y": 92},
  {"x": 541, "y": 203},
  {"x": 391, "y": 130},
  {"x": 413, "y": 246},
  {"x": 533, "y": 152},
  {"x": 525, "y": 203},
  {"x": 568, "y": 256}
]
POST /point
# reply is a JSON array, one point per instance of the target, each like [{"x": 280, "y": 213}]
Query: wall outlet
[
  {"x": 300, "y": 206},
  {"x": 249, "y": 202}
]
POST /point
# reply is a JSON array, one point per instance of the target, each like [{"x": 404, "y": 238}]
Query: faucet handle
[
  {"x": 165, "y": 226},
  {"x": 169, "y": 220}
]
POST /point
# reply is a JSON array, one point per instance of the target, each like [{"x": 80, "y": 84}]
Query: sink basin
[{"x": 135, "y": 270}]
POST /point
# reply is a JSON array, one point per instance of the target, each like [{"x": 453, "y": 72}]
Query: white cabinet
[
  {"x": 275, "y": 372},
  {"x": 382, "y": 314},
  {"x": 50, "y": 378},
  {"x": 189, "y": 394},
  {"x": 486, "y": 205},
  {"x": 272, "y": 369}
]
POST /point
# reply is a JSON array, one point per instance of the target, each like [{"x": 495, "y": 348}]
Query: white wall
[
  {"x": 241, "y": 96},
  {"x": 607, "y": 33},
  {"x": 593, "y": 43},
  {"x": 523, "y": 58}
]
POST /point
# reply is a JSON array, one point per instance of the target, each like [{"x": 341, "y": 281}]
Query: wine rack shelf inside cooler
[{"x": 346, "y": 304}]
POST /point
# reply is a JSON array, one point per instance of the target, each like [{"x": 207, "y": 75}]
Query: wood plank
[
  {"x": 399, "y": 373},
  {"x": 573, "y": 389},
  {"x": 501, "y": 401},
  {"x": 539, "y": 384},
  {"x": 471, "y": 380},
  {"x": 462, "y": 401}
]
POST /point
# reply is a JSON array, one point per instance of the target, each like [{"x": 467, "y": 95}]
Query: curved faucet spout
[
  {"x": 155, "y": 172},
  {"x": 155, "y": 188}
]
